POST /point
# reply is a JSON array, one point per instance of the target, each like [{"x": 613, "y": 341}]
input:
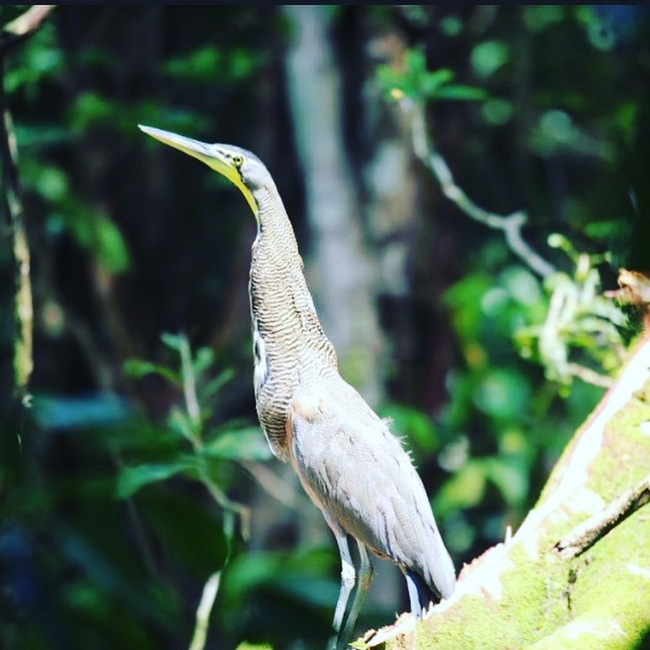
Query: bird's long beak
[{"x": 209, "y": 154}]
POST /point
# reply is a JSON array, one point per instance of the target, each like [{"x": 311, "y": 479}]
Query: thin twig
[
  {"x": 590, "y": 376},
  {"x": 277, "y": 488},
  {"x": 203, "y": 611},
  {"x": 589, "y": 532},
  {"x": 511, "y": 225},
  {"x": 28, "y": 21}
]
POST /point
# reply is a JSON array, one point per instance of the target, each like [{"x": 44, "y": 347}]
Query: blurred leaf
[
  {"x": 487, "y": 57},
  {"x": 67, "y": 412},
  {"x": 138, "y": 368},
  {"x": 211, "y": 388},
  {"x": 250, "y": 570},
  {"x": 39, "y": 58},
  {"x": 510, "y": 475},
  {"x": 111, "y": 250},
  {"x": 497, "y": 111},
  {"x": 256, "y": 568},
  {"x": 209, "y": 64},
  {"x": 172, "y": 341},
  {"x": 180, "y": 421},
  {"x": 96, "y": 233},
  {"x": 239, "y": 445},
  {"x": 502, "y": 393},
  {"x": 416, "y": 82},
  {"x": 540, "y": 17},
  {"x": 464, "y": 489},
  {"x": 132, "y": 479},
  {"x": 414, "y": 424},
  {"x": 203, "y": 359},
  {"x": 461, "y": 93}
]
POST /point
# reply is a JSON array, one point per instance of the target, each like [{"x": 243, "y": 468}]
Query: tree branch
[
  {"x": 511, "y": 225},
  {"x": 23, "y": 26},
  {"x": 589, "y": 532}
]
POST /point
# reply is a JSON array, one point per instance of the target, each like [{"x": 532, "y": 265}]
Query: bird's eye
[{"x": 238, "y": 160}]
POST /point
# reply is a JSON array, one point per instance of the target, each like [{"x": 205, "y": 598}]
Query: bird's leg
[
  {"x": 348, "y": 578},
  {"x": 364, "y": 578},
  {"x": 414, "y": 597}
]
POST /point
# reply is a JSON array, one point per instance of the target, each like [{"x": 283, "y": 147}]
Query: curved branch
[{"x": 511, "y": 225}]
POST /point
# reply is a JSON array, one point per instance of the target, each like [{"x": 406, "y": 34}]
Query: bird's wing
[{"x": 362, "y": 479}]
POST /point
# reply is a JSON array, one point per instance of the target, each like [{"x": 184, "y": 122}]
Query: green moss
[
  {"x": 613, "y": 578},
  {"x": 625, "y": 462},
  {"x": 599, "y": 599}
]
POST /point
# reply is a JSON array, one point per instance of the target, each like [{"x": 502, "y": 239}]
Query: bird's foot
[{"x": 405, "y": 624}]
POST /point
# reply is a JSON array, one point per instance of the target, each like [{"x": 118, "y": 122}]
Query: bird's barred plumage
[{"x": 347, "y": 460}]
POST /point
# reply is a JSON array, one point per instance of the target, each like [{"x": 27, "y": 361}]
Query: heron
[{"x": 349, "y": 463}]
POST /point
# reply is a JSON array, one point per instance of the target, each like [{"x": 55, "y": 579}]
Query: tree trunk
[{"x": 343, "y": 272}]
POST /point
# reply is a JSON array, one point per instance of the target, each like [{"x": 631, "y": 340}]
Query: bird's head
[{"x": 239, "y": 166}]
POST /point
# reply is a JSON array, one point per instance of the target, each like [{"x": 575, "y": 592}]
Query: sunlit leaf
[
  {"x": 464, "y": 489},
  {"x": 487, "y": 57},
  {"x": 180, "y": 421},
  {"x": 132, "y": 479},
  {"x": 172, "y": 341},
  {"x": 203, "y": 359},
  {"x": 510, "y": 475},
  {"x": 503, "y": 393}
]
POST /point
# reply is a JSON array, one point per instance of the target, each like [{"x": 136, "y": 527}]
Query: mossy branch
[{"x": 523, "y": 592}]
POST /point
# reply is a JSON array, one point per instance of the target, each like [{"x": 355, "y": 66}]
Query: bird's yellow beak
[{"x": 210, "y": 154}]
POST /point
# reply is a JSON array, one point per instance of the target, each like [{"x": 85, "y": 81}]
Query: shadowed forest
[{"x": 464, "y": 184}]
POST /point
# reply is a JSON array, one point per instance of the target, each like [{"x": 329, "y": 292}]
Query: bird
[{"x": 347, "y": 460}]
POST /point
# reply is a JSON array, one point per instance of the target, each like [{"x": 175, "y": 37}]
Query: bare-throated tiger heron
[{"x": 347, "y": 460}]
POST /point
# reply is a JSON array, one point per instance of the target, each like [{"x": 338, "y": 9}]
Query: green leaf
[
  {"x": 215, "y": 385},
  {"x": 173, "y": 341},
  {"x": 203, "y": 360},
  {"x": 464, "y": 489},
  {"x": 139, "y": 368},
  {"x": 180, "y": 421},
  {"x": 461, "y": 93},
  {"x": 111, "y": 250},
  {"x": 503, "y": 393},
  {"x": 416, "y": 425},
  {"x": 239, "y": 445},
  {"x": 430, "y": 82},
  {"x": 510, "y": 475},
  {"x": 134, "y": 478},
  {"x": 489, "y": 56}
]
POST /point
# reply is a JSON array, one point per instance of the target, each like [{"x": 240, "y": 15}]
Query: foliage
[
  {"x": 189, "y": 425},
  {"x": 124, "y": 486},
  {"x": 416, "y": 82}
]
